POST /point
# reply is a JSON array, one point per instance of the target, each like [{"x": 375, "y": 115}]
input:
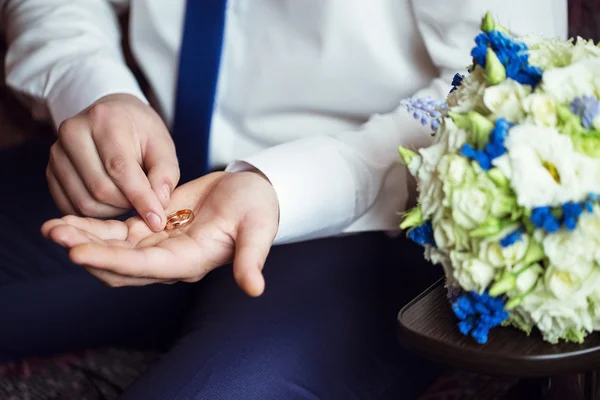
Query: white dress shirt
[{"x": 308, "y": 92}]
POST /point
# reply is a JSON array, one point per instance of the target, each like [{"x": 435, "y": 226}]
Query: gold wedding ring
[{"x": 179, "y": 219}]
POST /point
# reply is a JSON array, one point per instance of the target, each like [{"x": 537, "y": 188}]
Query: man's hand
[
  {"x": 236, "y": 218},
  {"x": 114, "y": 156}
]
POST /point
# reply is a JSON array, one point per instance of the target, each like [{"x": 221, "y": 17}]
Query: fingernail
[
  {"x": 166, "y": 189},
  {"x": 153, "y": 220}
]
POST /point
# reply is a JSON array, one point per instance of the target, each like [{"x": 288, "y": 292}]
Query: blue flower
[
  {"x": 544, "y": 218},
  {"x": 571, "y": 212},
  {"x": 494, "y": 147},
  {"x": 456, "y": 81},
  {"x": 478, "y": 314},
  {"x": 422, "y": 234},
  {"x": 511, "y": 238},
  {"x": 511, "y": 53},
  {"x": 587, "y": 108},
  {"x": 482, "y": 158},
  {"x": 425, "y": 110}
]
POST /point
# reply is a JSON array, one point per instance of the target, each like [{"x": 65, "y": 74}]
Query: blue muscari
[
  {"x": 478, "y": 313},
  {"x": 426, "y": 110},
  {"x": 587, "y": 108},
  {"x": 544, "y": 218},
  {"x": 511, "y": 53},
  {"x": 423, "y": 234},
  {"x": 511, "y": 238},
  {"x": 494, "y": 147}
]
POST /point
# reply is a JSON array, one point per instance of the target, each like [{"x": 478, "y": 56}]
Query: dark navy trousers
[{"x": 324, "y": 328}]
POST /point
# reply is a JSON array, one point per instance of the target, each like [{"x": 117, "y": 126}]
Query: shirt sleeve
[
  {"x": 353, "y": 181},
  {"x": 63, "y": 55}
]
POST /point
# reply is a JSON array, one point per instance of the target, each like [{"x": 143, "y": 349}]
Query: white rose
[
  {"x": 438, "y": 256},
  {"x": 471, "y": 273},
  {"x": 492, "y": 252},
  {"x": 571, "y": 250},
  {"x": 452, "y": 137},
  {"x": 470, "y": 206},
  {"x": 542, "y": 109},
  {"x": 574, "y": 80},
  {"x": 505, "y": 99},
  {"x": 588, "y": 227},
  {"x": 553, "y": 317},
  {"x": 455, "y": 170},
  {"x": 567, "y": 283},
  {"x": 431, "y": 196},
  {"x": 448, "y": 235}
]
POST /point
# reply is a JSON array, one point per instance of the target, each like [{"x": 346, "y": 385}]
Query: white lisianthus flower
[
  {"x": 541, "y": 109},
  {"x": 471, "y": 273},
  {"x": 575, "y": 80},
  {"x": 492, "y": 252},
  {"x": 505, "y": 100},
  {"x": 545, "y": 169},
  {"x": 469, "y": 95}
]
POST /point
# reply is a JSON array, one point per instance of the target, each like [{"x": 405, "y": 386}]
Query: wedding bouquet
[{"x": 509, "y": 190}]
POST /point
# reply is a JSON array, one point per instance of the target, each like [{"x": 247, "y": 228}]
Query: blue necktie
[{"x": 197, "y": 81}]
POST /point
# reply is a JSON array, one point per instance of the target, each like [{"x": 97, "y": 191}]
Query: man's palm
[{"x": 235, "y": 214}]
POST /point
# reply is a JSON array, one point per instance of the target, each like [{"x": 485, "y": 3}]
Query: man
[{"x": 299, "y": 100}]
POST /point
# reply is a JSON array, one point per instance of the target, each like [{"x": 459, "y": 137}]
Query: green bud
[
  {"x": 488, "y": 24},
  {"x": 412, "y": 218},
  {"x": 503, "y": 205},
  {"x": 406, "y": 154},
  {"x": 494, "y": 70},
  {"x": 481, "y": 128},
  {"x": 490, "y": 227},
  {"x": 498, "y": 178},
  {"x": 460, "y": 120},
  {"x": 505, "y": 284},
  {"x": 534, "y": 253},
  {"x": 513, "y": 303},
  {"x": 573, "y": 335}
]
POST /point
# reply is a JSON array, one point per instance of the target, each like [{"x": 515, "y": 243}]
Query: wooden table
[{"x": 428, "y": 326}]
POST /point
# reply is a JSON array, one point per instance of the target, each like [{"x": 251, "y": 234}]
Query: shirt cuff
[
  {"x": 311, "y": 204},
  {"x": 83, "y": 83}
]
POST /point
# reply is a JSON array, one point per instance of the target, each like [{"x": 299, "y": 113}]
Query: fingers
[
  {"x": 171, "y": 259},
  {"x": 78, "y": 147},
  {"x": 115, "y": 280},
  {"x": 163, "y": 168},
  {"x": 103, "y": 230},
  {"x": 58, "y": 194},
  {"x": 148, "y": 262},
  {"x": 64, "y": 179},
  {"x": 118, "y": 151},
  {"x": 255, "y": 236}
]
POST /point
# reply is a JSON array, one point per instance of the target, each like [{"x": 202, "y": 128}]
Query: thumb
[
  {"x": 160, "y": 162},
  {"x": 255, "y": 236}
]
